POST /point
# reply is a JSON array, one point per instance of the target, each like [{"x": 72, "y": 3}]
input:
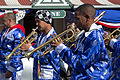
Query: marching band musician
[
  {"x": 115, "y": 45},
  {"x": 90, "y": 59},
  {"x": 9, "y": 39},
  {"x": 48, "y": 65},
  {"x": 109, "y": 49}
]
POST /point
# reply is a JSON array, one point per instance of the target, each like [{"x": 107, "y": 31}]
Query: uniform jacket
[
  {"x": 115, "y": 45},
  {"x": 89, "y": 60},
  {"x": 47, "y": 70},
  {"x": 9, "y": 39}
]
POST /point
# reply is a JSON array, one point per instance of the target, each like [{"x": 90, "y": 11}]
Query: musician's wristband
[{"x": 59, "y": 48}]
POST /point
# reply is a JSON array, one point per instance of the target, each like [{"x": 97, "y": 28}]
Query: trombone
[
  {"x": 118, "y": 29},
  {"x": 33, "y": 33}
]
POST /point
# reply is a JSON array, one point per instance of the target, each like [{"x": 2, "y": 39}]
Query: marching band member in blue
[
  {"x": 115, "y": 45},
  {"x": 90, "y": 60},
  {"x": 9, "y": 39},
  {"x": 49, "y": 63}
]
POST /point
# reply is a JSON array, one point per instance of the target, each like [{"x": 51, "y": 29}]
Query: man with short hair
[
  {"x": 46, "y": 67},
  {"x": 90, "y": 60},
  {"x": 9, "y": 39}
]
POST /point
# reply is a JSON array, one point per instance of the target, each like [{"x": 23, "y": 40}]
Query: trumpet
[
  {"x": 29, "y": 37},
  {"x": 116, "y": 30},
  {"x": 28, "y": 55},
  {"x": 74, "y": 35}
]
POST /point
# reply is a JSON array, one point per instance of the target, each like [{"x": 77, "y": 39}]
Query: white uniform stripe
[
  {"x": 105, "y": 2},
  {"x": 11, "y": 2}
]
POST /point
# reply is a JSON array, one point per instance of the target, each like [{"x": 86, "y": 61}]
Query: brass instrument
[
  {"x": 48, "y": 42},
  {"x": 118, "y": 69},
  {"x": 74, "y": 35},
  {"x": 95, "y": 20},
  {"x": 29, "y": 37},
  {"x": 118, "y": 29},
  {"x": 99, "y": 17},
  {"x": 80, "y": 32}
]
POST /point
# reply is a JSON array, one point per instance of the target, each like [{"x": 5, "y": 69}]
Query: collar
[
  {"x": 93, "y": 27},
  {"x": 19, "y": 27},
  {"x": 50, "y": 32}
]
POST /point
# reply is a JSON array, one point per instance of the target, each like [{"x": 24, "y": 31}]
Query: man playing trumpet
[
  {"x": 90, "y": 60},
  {"x": 48, "y": 66}
]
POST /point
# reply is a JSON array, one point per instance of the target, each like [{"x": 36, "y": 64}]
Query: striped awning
[
  {"x": 98, "y": 3},
  {"x": 15, "y": 4}
]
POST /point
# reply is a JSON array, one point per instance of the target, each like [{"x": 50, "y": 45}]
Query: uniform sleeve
[
  {"x": 66, "y": 54},
  {"x": 115, "y": 44},
  {"x": 15, "y": 61}
]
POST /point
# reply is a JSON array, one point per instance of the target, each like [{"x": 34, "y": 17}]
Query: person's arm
[
  {"x": 93, "y": 59},
  {"x": 63, "y": 51},
  {"x": 28, "y": 47}
]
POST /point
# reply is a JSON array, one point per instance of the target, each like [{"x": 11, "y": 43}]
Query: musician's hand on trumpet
[
  {"x": 56, "y": 42},
  {"x": 25, "y": 46}
]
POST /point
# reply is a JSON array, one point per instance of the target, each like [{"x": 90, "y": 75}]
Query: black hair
[{"x": 87, "y": 9}]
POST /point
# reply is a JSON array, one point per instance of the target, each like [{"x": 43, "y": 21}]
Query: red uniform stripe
[
  {"x": 93, "y": 2},
  {"x": 25, "y": 2}
]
